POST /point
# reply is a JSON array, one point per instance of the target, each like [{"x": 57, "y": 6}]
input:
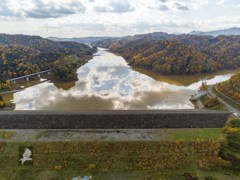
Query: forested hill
[
  {"x": 22, "y": 54},
  {"x": 84, "y": 40},
  {"x": 231, "y": 88},
  {"x": 106, "y": 43},
  {"x": 178, "y": 54},
  {"x": 231, "y": 31}
]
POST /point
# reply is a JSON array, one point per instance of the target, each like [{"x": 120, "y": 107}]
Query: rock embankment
[{"x": 113, "y": 119}]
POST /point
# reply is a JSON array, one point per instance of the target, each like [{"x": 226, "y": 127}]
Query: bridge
[{"x": 29, "y": 75}]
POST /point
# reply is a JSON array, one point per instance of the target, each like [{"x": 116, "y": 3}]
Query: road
[
  {"x": 234, "y": 110},
  {"x": 75, "y": 59},
  {"x": 9, "y": 92}
]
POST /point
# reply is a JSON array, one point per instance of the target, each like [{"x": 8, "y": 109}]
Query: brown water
[{"x": 108, "y": 83}]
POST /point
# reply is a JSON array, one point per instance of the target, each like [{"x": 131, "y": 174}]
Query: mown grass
[
  {"x": 188, "y": 133},
  {"x": 70, "y": 59}
]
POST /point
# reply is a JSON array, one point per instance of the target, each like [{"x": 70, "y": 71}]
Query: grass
[
  {"x": 188, "y": 133},
  {"x": 54, "y": 175},
  {"x": 225, "y": 99},
  {"x": 83, "y": 154},
  {"x": 204, "y": 99},
  {"x": 6, "y": 134},
  {"x": 220, "y": 106},
  {"x": 70, "y": 58},
  {"x": 13, "y": 87},
  {"x": 117, "y": 160}
]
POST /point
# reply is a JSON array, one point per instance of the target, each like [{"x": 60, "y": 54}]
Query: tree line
[
  {"x": 230, "y": 88},
  {"x": 177, "y": 54},
  {"x": 21, "y": 54}
]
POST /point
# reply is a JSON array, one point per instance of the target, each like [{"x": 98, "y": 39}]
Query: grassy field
[
  {"x": 184, "y": 154},
  {"x": 131, "y": 160},
  {"x": 187, "y": 134},
  {"x": 70, "y": 58}
]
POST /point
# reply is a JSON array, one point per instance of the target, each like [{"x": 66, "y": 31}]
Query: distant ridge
[
  {"x": 84, "y": 40},
  {"x": 228, "y": 32}
]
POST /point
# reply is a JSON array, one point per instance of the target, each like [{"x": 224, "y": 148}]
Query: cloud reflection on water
[{"x": 106, "y": 83}]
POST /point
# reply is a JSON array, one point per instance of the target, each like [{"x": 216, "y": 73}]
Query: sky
[{"x": 81, "y": 18}]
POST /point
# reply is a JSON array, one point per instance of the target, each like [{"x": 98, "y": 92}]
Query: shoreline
[
  {"x": 140, "y": 67},
  {"x": 86, "y": 59},
  {"x": 9, "y": 108},
  {"x": 146, "y": 69}
]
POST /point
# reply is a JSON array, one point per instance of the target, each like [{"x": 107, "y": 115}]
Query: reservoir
[{"x": 107, "y": 82}]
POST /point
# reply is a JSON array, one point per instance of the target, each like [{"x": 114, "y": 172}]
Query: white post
[
  {"x": 39, "y": 76},
  {"x": 14, "y": 82},
  {"x": 27, "y": 78},
  {"x": 48, "y": 72}
]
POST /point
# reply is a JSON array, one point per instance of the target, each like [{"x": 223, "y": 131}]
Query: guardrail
[
  {"x": 226, "y": 96},
  {"x": 236, "y": 83}
]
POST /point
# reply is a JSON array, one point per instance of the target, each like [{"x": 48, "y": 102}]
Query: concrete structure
[
  {"x": 198, "y": 95},
  {"x": 29, "y": 75},
  {"x": 113, "y": 119}
]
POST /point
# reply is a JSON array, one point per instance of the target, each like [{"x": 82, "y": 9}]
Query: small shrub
[
  {"x": 91, "y": 166},
  {"x": 233, "y": 123},
  {"x": 217, "y": 107},
  {"x": 58, "y": 167},
  {"x": 212, "y": 102}
]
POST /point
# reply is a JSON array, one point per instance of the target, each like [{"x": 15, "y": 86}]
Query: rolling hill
[
  {"x": 84, "y": 40},
  {"x": 231, "y": 88},
  {"x": 227, "y": 32},
  {"x": 21, "y": 54},
  {"x": 143, "y": 50}
]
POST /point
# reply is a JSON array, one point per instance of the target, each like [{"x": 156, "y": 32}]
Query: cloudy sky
[{"x": 80, "y": 18}]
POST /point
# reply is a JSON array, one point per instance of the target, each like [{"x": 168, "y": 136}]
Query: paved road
[
  {"x": 234, "y": 110},
  {"x": 9, "y": 92}
]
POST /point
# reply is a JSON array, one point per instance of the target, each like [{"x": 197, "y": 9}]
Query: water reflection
[
  {"x": 184, "y": 80},
  {"x": 107, "y": 82},
  {"x": 65, "y": 86}
]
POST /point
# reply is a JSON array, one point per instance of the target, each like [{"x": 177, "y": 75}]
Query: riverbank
[
  {"x": 77, "y": 66},
  {"x": 9, "y": 108},
  {"x": 13, "y": 88},
  {"x": 106, "y": 82},
  {"x": 147, "y": 69}
]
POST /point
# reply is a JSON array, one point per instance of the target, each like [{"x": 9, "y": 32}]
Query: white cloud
[
  {"x": 202, "y": 2},
  {"x": 220, "y": 2},
  {"x": 65, "y": 18},
  {"x": 116, "y": 6},
  {"x": 195, "y": 6}
]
